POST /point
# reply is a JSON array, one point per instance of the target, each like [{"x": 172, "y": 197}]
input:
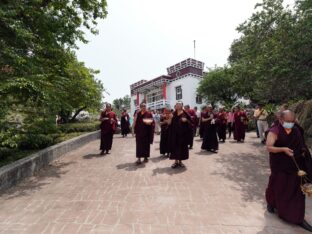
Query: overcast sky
[{"x": 139, "y": 39}]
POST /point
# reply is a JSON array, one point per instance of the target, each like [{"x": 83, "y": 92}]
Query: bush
[
  {"x": 79, "y": 127},
  {"x": 35, "y": 141},
  {"x": 6, "y": 152}
]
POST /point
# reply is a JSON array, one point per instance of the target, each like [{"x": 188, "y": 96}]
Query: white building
[{"x": 179, "y": 85}]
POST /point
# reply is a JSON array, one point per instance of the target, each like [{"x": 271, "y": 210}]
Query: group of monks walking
[
  {"x": 178, "y": 129},
  {"x": 284, "y": 141}
]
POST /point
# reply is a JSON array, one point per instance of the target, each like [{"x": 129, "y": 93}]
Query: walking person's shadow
[
  {"x": 168, "y": 171},
  {"x": 130, "y": 166}
]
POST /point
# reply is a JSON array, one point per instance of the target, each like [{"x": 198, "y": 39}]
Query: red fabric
[{"x": 165, "y": 91}]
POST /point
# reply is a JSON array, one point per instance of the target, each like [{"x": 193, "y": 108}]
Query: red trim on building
[{"x": 165, "y": 90}]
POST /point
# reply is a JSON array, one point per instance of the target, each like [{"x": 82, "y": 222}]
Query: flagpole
[{"x": 194, "y": 49}]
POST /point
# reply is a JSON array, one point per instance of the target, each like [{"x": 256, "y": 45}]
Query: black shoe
[
  {"x": 175, "y": 165},
  {"x": 145, "y": 160},
  {"x": 181, "y": 165},
  {"x": 305, "y": 225},
  {"x": 270, "y": 209},
  {"x": 263, "y": 142},
  {"x": 138, "y": 162},
  {"x": 107, "y": 151},
  {"x": 102, "y": 152}
]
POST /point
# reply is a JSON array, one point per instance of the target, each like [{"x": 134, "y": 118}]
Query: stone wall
[
  {"x": 303, "y": 109},
  {"x": 14, "y": 172}
]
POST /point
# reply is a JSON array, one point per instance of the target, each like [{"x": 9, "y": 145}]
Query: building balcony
[
  {"x": 157, "y": 105},
  {"x": 160, "y": 104}
]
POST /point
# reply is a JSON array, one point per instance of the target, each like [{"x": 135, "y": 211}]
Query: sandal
[
  {"x": 138, "y": 162},
  {"x": 145, "y": 160},
  {"x": 175, "y": 165},
  {"x": 181, "y": 164}
]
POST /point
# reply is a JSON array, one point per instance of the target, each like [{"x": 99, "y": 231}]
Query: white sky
[{"x": 139, "y": 39}]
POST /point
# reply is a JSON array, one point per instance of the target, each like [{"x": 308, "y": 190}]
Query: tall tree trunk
[{"x": 77, "y": 113}]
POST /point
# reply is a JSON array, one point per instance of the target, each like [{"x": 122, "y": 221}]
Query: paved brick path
[{"x": 86, "y": 193}]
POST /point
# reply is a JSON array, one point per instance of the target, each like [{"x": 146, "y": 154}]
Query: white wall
[{"x": 189, "y": 86}]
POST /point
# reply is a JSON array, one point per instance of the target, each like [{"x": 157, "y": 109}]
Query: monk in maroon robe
[
  {"x": 192, "y": 114},
  {"x": 108, "y": 126},
  {"x": 222, "y": 123},
  {"x": 201, "y": 124},
  {"x": 164, "y": 134},
  {"x": 179, "y": 135},
  {"x": 286, "y": 146},
  {"x": 210, "y": 140},
  {"x": 125, "y": 123},
  {"x": 144, "y": 133},
  {"x": 240, "y": 120}
]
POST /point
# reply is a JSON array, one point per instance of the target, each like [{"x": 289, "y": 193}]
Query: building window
[
  {"x": 199, "y": 99},
  {"x": 178, "y": 93},
  {"x": 134, "y": 102}
]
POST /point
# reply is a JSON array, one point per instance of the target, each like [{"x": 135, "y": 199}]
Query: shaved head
[{"x": 288, "y": 116}]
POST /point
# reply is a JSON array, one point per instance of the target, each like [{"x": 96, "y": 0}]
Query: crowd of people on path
[
  {"x": 177, "y": 129},
  {"x": 290, "y": 158}
]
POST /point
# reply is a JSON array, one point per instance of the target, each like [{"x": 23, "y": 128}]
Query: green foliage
[
  {"x": 34, "y": 141},
  {"x": 217, "y": 85},
  {"x": 271, "y": 61},
  {"x": 120, "y": 103},
  {"x": 80, "y": 127},
  {"x": 40, "y": 74}
]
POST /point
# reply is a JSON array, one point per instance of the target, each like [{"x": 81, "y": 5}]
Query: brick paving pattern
[{"x": 87, "y": 193}]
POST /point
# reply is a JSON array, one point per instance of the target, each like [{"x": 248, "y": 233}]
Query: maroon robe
[
  {"x": 192, "y": 114},
  {"x": 240, "y": 119},
  {"x": 222, "y": 123},
  {"x": 144, "y": 135},
  {"x": 164, "y": 137},
  {"x": 179, "y": 136},
  {"x": 210, "y": 139},
  {"x": 108, "y": 128},
  {"x": 284, "y": 192},
  {"x": 125, "y": 124},
  {"x": 201, "y": 125}
]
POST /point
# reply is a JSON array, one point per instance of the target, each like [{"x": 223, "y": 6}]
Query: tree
[
  {"x": 271, "y": 61},
  {"x": 36, "y": 38},
  {"x": 39, "y": 74},
  {"x": 217, "y": 86}
]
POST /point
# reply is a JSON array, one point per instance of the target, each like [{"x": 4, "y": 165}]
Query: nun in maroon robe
[
  {"x": 201, "y": 124},
  {"x": 180, "y": 126},
  {"x": 164, "y": 134},
  {"x": 222, "y": 123},
  {"x": 284, "y": 196},
  {"x": 192, "y": 114},
  {"x": 240, "y": 119},
  {"x": 144, "y": 133},
  {"x": 210, "y": 140},
  {"x": 125, "y": 123},
  {"x": 108, "y": 126}
]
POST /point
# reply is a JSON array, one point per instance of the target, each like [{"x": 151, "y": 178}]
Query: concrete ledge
[{"x": 11, "y": 174}]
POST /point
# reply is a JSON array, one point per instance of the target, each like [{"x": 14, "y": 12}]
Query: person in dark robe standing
[
  {"x": 180, "y": 124},
  {"x": 210, "y": 140},
  {"x": 240, "y": 119},
  {"x": 192, "y": 114},
  {"x": 108, "y": 126},
  {"x": 222, "y": 123},
  {"x": 144, "y": 133},
  {"x": 201, "y": 124},
  {"x": 286, "y": 146},
  {"x": 164, "y": 133},
  {"x": 125, "y": 123}
]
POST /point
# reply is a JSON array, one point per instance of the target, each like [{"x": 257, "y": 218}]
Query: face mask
[{"x": 288, "y": 125}]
